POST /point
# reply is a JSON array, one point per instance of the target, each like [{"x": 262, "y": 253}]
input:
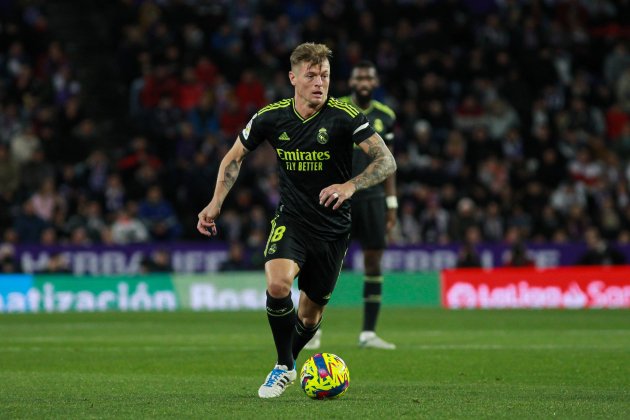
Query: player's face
[
  {"x": 311, "y": 82},
  {"x": 363, "y": 81}
]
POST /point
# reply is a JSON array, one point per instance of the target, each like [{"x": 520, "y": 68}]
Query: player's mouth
[{"x": 318, "y": 94}]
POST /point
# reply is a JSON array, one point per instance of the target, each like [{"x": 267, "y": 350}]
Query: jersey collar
[{"x": 312, "y": 116}]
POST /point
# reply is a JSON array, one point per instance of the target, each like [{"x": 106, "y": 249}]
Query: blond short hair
[{"x": 310, "y": 52}]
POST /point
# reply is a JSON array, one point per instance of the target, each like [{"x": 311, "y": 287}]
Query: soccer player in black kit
[
  {"x": 313, "y": 137},
  {"x": 374, "y": 208}
]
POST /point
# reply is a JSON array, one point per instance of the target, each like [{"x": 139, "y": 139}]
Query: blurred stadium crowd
[{"x": 513, "y": 116}]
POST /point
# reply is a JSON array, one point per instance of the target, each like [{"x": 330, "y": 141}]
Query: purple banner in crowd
[{"x": 208, "y": 257}]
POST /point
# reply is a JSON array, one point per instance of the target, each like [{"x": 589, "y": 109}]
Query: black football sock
[
  {"x": 302, "y": 335},
  {"x": 372, "y": 290},
  {"x": 281, "y": 316}
]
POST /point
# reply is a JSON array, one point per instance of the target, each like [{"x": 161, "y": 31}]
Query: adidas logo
[{"x": 284, "y": 136}]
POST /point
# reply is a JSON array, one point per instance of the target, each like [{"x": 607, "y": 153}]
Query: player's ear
[{"x": 292, "y": 77}]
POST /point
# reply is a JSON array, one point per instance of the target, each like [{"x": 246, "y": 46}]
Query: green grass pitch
[{"x": 457, "y": 364}]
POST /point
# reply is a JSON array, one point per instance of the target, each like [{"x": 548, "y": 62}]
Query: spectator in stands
[
  {"x": 204, "y": 116},
  {"x": 57, "y": 264},
  {"x": 158, "y": 262},
  {"x": 24, "y": 145},
  {"x": 127, "y": 229},
  {"x": 46, "y": 200},
  {"x": 236, "y": 258},
  {"x": 89, "y": 218},
  {"x": 468, "y": 257},
  {"x": 28, "y": 225},
  {"x": 9, "y": 176},
  {"x": 599, "y": 251},
  {"x": 158, "y": 215},
  {"x": 8, "y": 259},
  {"x": 434, "y": 222},
  {"x": 465, "y": 218},
  {"x": 250, "y": 92},
  {"x": 190, "y": 91},
  {"x": 517, "y": 256}
]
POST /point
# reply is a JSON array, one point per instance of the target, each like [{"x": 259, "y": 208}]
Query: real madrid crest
[{"x": 322, "y": 136}]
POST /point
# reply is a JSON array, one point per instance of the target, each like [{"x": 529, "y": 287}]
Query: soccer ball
[{"x": 325, "y": 375}]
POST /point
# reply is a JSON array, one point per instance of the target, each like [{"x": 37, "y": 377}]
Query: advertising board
[{"x": 572, "y": 288}]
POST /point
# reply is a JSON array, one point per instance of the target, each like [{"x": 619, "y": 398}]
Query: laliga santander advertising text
[{"x": 572, "y": 288}]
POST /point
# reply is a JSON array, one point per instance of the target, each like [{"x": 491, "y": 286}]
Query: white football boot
[
  {"x": 369, "y": 339},
  {"x": 315, "y": 342},
  {"x": 277, "y": 381}
]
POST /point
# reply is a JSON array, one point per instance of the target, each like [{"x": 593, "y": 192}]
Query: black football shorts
[
  {"x": 320, "y": 261},
  {"x": 368, "y": 222}
]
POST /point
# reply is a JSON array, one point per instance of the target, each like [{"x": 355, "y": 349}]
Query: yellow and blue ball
[{"x": 325, "y": 375}]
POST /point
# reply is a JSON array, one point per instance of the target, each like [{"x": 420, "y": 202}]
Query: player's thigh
[
  {"x": 318, "y": 276},
  {"x": 369, "y": 222}
]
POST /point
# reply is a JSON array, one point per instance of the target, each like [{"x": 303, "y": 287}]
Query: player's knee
[
  {"x": 373, "y": 268},
  {"x": 278, "y": 289},
  {"x": 372, "y": 263}
]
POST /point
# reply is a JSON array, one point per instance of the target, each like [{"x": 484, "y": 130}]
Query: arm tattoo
[
  {"x": 382, "y": 165},
  {"x": 230, "y": 174}
]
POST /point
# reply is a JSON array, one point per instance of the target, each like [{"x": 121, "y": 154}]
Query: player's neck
[{"x": 305, "y": 109}]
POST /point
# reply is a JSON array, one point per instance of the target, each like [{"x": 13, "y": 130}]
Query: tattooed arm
[
  {"x": 381, "y": 166},
  {"x": 228, "y": 172}
]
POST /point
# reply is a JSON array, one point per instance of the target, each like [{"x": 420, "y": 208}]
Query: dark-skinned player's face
[{"x": 363, "y": 81}]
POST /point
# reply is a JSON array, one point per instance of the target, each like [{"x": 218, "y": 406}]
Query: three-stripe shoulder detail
[
  {"x": 276, "y": 105},
  {"x": 344, "y": 106},
  {"x": 384, "y": 108}
]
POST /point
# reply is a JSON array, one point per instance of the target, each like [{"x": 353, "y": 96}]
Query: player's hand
[
  {"x": 337, "y": 194},
  {"x": 206, "y": 224},
  {"x": 390, "y": 220}
]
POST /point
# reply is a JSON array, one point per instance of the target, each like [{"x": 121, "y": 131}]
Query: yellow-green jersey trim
[
  {"x": 302, "y": 118},
  {"x": 344, "y": 106},
  {"x": 384, "y": 108},
  {"x": 374, "y": 104},
  {"x": 273, "y": 227},
  {"x": 348, "y": 100},
  {"x": 276, "y": 105}
]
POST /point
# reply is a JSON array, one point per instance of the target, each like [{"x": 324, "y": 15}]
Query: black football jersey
[
  {"x": 382, "y": 119},
  {"x": 312, "y": 154}
]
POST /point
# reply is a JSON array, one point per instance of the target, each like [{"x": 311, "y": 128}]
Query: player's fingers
[
  {"x": 202, "y": 229},
  {"x": 339, "y": 202},
  {"x": 207, "y": 228},
  {"x": 324, "y": 195},
  {"x": 329, "y": 198}
]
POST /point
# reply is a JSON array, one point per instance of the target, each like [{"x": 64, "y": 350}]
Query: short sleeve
[
  {"x": 361, "y": 128},
  {"x": 253, "y": 133}
]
